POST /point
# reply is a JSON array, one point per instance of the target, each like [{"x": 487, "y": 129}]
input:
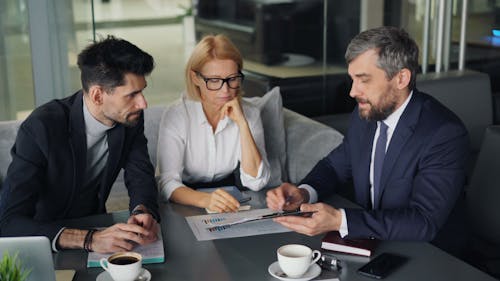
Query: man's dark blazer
[
  {"x": 46, "y": 175},
  {"x": 422, "y": 177}
]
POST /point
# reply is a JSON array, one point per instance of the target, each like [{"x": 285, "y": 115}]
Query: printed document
[{"x": 207, "y": 227}]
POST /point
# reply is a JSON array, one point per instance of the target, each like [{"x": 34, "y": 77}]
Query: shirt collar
[
  {"x": 93, "y": 126},
  {"x": 392, "y": 120}
]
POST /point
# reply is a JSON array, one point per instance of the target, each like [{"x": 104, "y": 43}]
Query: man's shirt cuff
[
  {"x": 313, "y": 195},
  {"x": 343, "y": 225},
  {"x": 54, "y": 241}
]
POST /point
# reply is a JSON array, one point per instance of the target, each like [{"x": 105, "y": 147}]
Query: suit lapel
[
  {"x": 403, "y": 132},
  {"x": 78, "y": 143},
  {"x": 78, "y": 140}
]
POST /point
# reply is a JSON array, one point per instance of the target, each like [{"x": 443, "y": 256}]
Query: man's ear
[
  {"x": 403, "y": 78},
  {"x": 96, "y": 94}
]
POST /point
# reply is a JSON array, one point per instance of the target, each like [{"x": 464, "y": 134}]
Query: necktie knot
[{"x": 383, "y": 129}]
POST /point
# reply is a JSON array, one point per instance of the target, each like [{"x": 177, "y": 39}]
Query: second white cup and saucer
[
  {"x": 123, "y": 266},
  {"x": 144, "y": 276},
  {"x": 296, "y": 263},
  {"x": 275, "y": 271}
]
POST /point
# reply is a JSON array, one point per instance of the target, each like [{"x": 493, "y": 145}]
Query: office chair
[{"x": 482, "y": 206}]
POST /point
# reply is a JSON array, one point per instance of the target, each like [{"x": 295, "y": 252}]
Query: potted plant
[{"x": 11, "y": 269}]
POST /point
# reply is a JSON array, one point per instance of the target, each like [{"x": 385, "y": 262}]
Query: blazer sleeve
[
  {"x": 433, "y": 190},
  {"x": 24, "y": 184},
  {"x": 139, "y": 173}
]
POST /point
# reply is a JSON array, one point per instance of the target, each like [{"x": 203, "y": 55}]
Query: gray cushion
[
  {"x": 271, "y": 113},
  {"x": 8, "y": 133},
  {"x": 152, "y": 117},
  {"x": 307, "y": 142}
]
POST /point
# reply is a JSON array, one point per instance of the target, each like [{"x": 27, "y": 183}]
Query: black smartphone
[
  {"x": 382, "y": 265},
  {"x": 244, "y": 199}
]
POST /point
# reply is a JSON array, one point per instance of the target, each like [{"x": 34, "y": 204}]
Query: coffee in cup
[
  {"x": 123, "y": 266},
  {"x": 295, "y": 259}
]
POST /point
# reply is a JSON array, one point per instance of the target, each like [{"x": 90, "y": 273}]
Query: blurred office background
[{"x": 297, "y": 44}]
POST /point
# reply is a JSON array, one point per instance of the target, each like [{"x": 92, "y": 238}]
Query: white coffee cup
[
  {"x": 123, "y": 266},
  {"x": 295, "y": 259}
]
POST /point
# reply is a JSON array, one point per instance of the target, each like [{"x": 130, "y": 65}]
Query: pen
[{"x": 289, "y": 213}]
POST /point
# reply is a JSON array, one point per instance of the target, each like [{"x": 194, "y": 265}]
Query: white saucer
[
  {"x": 275, "y": 270},
  {"x": 104, "y": 276}
]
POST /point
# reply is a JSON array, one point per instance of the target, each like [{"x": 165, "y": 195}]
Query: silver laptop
[{"x": 34, "y": 252}]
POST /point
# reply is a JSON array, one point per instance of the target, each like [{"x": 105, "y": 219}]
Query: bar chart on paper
[{"x": 211, "y": 226}]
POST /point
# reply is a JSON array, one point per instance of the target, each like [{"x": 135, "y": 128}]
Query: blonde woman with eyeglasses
[{"x": 211, "y": 137}]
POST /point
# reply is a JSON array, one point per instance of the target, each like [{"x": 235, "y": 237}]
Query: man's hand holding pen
[
  {"x": 289, "y": 197},
  {"x": 286, "y": 197}
]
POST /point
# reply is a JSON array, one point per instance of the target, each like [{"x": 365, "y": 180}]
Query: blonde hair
[{"x": 210, "y": 47}]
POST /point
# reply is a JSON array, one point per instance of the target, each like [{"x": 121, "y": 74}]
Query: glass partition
[
  {"x": 296, "y": 44},
  {"x": 16, "y": 82},
  {"x": 154, "y": 26}
]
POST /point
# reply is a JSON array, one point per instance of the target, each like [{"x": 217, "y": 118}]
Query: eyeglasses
[{"x": 214, "y": 84}]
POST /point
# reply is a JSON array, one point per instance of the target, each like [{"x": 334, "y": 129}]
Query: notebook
[
  {"x": 151, "y": 253},
  {"x": 34, "y": 253},
  {"x": 333, "y": 242}
]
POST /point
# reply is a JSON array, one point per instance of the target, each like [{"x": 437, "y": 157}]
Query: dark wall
[{"x": 265, "y": 31}]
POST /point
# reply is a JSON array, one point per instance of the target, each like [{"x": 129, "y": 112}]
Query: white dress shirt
[
  {"x": 189, "y": 150},
  {"x": 391, "y": 121}
]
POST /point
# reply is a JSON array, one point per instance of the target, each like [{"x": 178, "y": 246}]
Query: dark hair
[
  {"x": 106, "y": 62},
  {"x": 396, "y": 50}
]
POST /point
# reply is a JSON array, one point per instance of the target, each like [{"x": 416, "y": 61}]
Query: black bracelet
[
  {"x": 138, "y": 212},
  {"x": 87, "y": 242},
  {"x": 144, "y": 210}
]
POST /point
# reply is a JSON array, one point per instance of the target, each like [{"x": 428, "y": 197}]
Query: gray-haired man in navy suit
[{"x": 404, "y": 151}]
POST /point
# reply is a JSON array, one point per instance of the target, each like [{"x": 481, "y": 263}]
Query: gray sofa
[{"x": 306, "y": 142}]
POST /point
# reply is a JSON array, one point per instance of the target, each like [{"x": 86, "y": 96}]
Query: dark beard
[
  {"x": 379, "y": 114},
  {"x": 132, "y": 123},
  {"x": 128, "y": 122}
]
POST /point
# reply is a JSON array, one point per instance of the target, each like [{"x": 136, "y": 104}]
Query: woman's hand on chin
[{"x": 233, "y": 110}]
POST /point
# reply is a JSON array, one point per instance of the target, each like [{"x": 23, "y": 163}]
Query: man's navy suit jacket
[
  {"x": 422, "y": 177},
  {"x": 47, "y": 172}
]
